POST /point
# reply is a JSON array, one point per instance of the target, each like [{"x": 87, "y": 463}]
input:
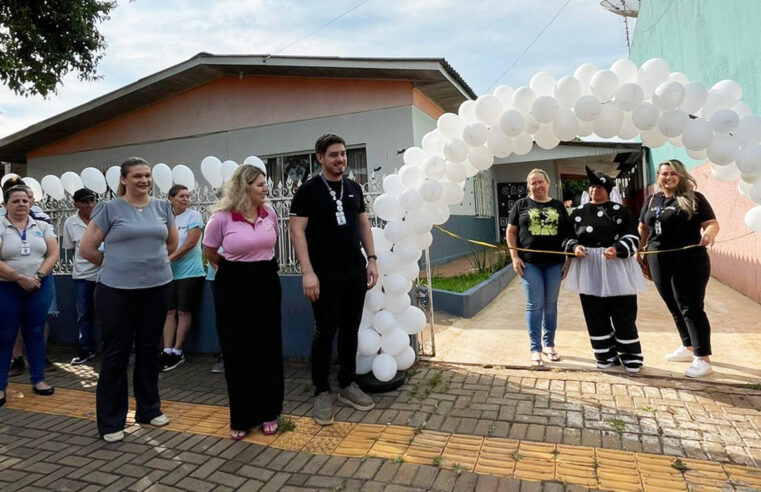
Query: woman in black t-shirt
[
  {"x": 674, "y": 217},
  {"x": 539, "y": 222}
]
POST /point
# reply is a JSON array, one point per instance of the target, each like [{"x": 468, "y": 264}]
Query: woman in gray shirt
[{"x": 131, "y": 297}]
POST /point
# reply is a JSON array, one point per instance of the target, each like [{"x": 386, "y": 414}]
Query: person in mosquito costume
[{"x": 606, "y": 275}]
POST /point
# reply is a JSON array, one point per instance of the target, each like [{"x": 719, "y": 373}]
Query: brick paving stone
[
  {"x": 445, "y": 480},
  {"x": 368, "y": 468},
  {"x": 194, "y": 484},
  {"x": 387, "y": 471},
  {"x": 424, "y": 476},
  {"x": 178, "y": 473},
  {"x": 226, "y": 479},
  {"x": 276, "y": 482},
  {"x": 466, "y": 482},
  {"x": 255, "y": 472},
  {"x": 207, "y": 468}
]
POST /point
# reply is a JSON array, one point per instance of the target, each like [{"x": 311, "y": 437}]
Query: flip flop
[
  {"x": 553, "y": 356},
  {"x": 269, "y": 428},
  {"x": 536, "y": 363},
  {"x": 237, "y": 435}
]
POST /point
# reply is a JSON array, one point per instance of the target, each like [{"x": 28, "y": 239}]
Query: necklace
[{"x": 340, "y": 217}]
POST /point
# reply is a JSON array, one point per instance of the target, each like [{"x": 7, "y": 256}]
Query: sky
[{"x": 479, "y": 39}]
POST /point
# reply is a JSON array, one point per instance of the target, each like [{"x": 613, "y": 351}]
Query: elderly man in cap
[
  {"x": 84, "y": 273},
  {"x": 606, "y": 275}
]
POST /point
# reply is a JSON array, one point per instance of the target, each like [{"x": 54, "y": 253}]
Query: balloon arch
[{"x": 624, "y": 101}]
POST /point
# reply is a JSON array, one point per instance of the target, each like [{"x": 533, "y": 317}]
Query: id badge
[
  {"x": 658, "y": 229},
  {"x": 340, "y": 218},
  {"x": 25, "y": 249}
]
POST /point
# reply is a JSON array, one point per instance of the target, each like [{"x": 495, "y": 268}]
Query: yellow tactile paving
[{"x": 590, "y": 467}]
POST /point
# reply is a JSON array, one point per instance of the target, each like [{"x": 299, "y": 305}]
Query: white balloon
[
  {"x": 415, "y": 156},
  {"x": 396, "y": 303},
  {"x": 645, "y": 116},
  {"x": 375, "y": 299},
  {"x": 387, "y": 264},
  {"x": 567, "y": 90},
  {"x": 742, "y": 109},
  {"x": 627, "y": 131},
  {"x": 715, "y": 102},
  {"x": 450, "y": 125},
  {"x": 228, "y": 168},
  {"x": 755, "y": 192},
  {"x": 629, "y": 96},
  {"x": 668, "y": 95},
  {"x": 435, "y": 167},
  {"x": 750, "y": 178},
  {"x": 749, "y": 160},
  {"x": 53, "y": 187},
  {"x": 387, "y": 207},
  {"x": 410, "y": 270},
  {"x": 753, "y": 219},
  {"x": 545, "y": 108},
  {"x": 532, "y": 125},
  {"x": 424, "y": 241},
  {"x": 657, "y": 68},
  {"x": 364, "y": 363},
  {"x": 723, "y": 149},
  {"x": 384, "y": 367},
  {"x": 431, "y": 191},
  {"x": 566, "y": 125},
  {"x": 725, "y": 173},
  {"x": 384, "y": 321},
  {"x": 420, "y": 222},
  {"x": 546, "y": 138},
  {"x": 253, "y": 160},
  {"x": 505, "y": 95},
  {"x": 488, "y": 108},
  {"x": 367, "y": 317},
  {"x": 672, "y": 123},
  {"x": 412, "y": 176},
  {"x": 379, "y": 240},
  {"x": 412, "y": 320},
  {"x": 455, "y": 150},
  {"x": 609, "y": 122},
  {"x": 394, "y": 341},
  {"x": 405, "y": 359},
  {"x": 648, "y": 83},
  {"x": 749, "y": 129},
  {"x": 724, "y": 121},
  {"x": 604, "y": 85},
  {"x": 542, "y": 83},
  {"x": 466, "y": 112},
  {"x": 584, "y": 75},
  {"x": 183, "y": 175},
  {"x": 368, "y": 342},
  {"x": 523, "y": 143},
  {"x": 94, "y": 180},
  {"x": 676, "y": 141},
  {"x": 498, "y": 144},
  {"x": 113, "y": 174},
  {"x": 698, "y": 155},
  {"x": 481, "y": 158},
  {"x": 211, "y": 169},
  {"x": 653, "y": 138},
  {"x": 394, "y": 284},
  {"x": 625, "y": 69},
  {"x": 698, "y": 134},
  {"x": 411, "y": 200},
  {"x": 408, "y": 250},
  {"x": 72, "y": 182},
  {"x": 522, "y": 99},
  {"x": 512, "y": 122},
  {"x": 695, "y": 95},
  {"x": 743, "y": 188},
  {"x": 396, "y": 230},
  {"x": 439, "y": 213},
  {"x": 678, "y": 77},
  {"x": 587, "y": 108},
  {"x": 35, "y": 187},
  {"x": 392, "y": 184},
  {"x": 433, "y": 143},
  {"x": 474, "y": 134},
  {"x": 729, "y": 89},
  {"x": 456, "y": 172},
  {"x": 8, "y": 176}
]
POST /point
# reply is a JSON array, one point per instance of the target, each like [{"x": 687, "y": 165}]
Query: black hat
[
  {"x": 83, "y": 194},
  {"x": 600, "y": 179}
]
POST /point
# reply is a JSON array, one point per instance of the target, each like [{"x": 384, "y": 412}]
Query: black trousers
[
  {"x": 616, "y": 341},
  {"x": 128, "y": 316},
  {"x": 339, "y": 308},
  {"x": 247, "y": 300},
  {"x": 681, "y": 278}
]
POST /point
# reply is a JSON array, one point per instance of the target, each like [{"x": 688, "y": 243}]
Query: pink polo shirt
[{"x": 240, "y": 240}]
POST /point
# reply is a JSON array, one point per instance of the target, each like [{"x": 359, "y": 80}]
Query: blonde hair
[
  {"x": 125, "y": 168},
  {"x": 235, "y": 194},
  {"x": 685, "y": 190},
  {"x": 536, "y": 171}
]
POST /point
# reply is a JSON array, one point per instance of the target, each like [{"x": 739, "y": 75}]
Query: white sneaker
[
  {"x": 682, "y": 354},
  {"x": 699, "y": 367},
  {"x": 114, "y": 436}
]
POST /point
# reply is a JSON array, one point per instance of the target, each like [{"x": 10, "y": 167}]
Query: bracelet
[{"x": 372, "y": 257}]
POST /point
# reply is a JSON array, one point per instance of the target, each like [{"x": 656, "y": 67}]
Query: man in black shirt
[{"x": 328, "y": 227}]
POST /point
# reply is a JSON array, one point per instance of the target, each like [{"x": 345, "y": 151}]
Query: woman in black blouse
[
  {"x": 675, "y": 217},
  {"x": 606, "y": 275}
]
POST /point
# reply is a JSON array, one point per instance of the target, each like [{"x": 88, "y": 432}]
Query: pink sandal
[
  {"x": 269, "y": 428},
  {"x": 237, "y": 435}
]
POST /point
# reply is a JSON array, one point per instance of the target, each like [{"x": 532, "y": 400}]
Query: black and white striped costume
[{"x": 607, "y": 288}]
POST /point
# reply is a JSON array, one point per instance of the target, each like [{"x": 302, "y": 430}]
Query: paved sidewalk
[{"x": 550, "y": 429}]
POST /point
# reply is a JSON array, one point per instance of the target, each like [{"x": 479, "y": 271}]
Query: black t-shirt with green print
[{"x": 540, "y": 226}]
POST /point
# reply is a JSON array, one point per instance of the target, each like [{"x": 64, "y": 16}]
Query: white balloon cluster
[{"x": 215, "y": 171}]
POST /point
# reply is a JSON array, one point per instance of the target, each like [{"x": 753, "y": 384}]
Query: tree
[{"x": 43, "y": 40}]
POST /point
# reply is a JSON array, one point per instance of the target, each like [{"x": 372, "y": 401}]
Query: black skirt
[{"x": 247, "y": 300}]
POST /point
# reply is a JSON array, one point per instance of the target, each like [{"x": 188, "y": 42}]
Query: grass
[
  {"x": 435, "y": 381},
  {"x": 678, "y": 464},
  {"x": 285, "y": 424},
  {"x": 616, "y": 424},
  {"x": 436, "y": 461},
  {"x": 458, "y": 468},
  {"x": 483, "y": 263},
  {"x": 753, "y": 386},
  {"x": 459, "y": 283}
]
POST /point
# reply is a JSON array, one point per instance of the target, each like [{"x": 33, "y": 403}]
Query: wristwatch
[
  {"x": 40, "y": 275},
  {"x": 372, "y": 257}
]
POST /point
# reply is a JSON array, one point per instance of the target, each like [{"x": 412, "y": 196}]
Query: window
[
  {"x": 300, "y": 167},
  {"x": 483, "y": 195}
]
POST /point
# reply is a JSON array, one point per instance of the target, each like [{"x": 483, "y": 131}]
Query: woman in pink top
[{"x": 247, "y": 301}]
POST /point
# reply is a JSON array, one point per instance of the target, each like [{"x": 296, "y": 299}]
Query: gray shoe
[
  {"x": 219, "y": 365},
  {"x": 323, "y": 409},
  {"x": 352, "y": 395}
]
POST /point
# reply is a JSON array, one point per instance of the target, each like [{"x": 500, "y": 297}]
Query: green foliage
[
  {"x": 753, "y": 386},
  {"x": 678, "y": 464},
  {"x": 43, "y": 40},
  {"x": 436, "y": 461},
  {"x": 616, "y": 424},
  {"x": 285, "y": 424}
]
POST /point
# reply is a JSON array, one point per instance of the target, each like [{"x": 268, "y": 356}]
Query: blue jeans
[
  {"x": 85, "y": 292},
  {"x": 541, "y": 283},
  {"x": 27, "y": 310}
]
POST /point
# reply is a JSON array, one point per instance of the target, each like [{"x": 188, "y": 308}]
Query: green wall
[{"x": 708, "y": 41}]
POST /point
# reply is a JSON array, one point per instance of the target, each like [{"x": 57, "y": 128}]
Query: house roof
[{"x": 433, "y": 77}]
